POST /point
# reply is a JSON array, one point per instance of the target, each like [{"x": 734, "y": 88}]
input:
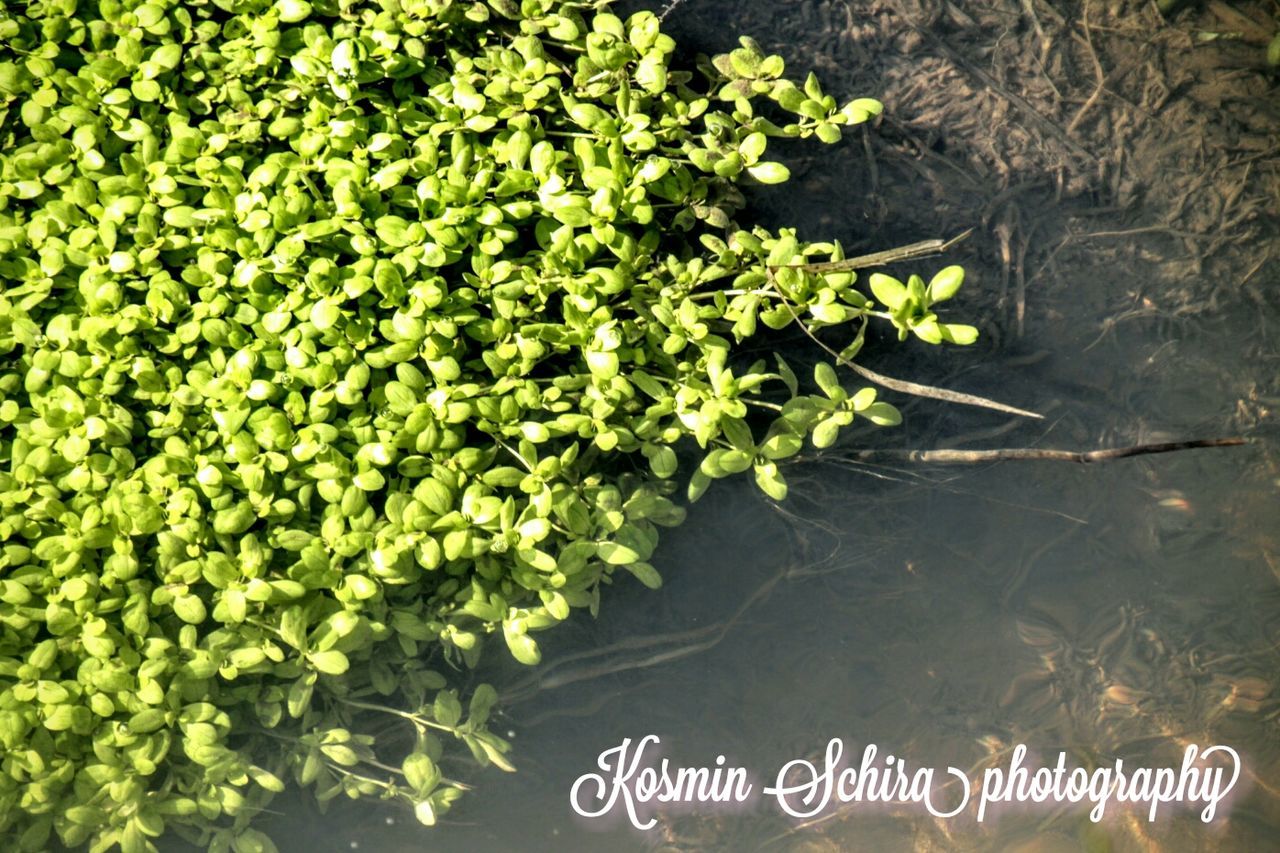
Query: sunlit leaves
[
  {"x": 825, "y": 375},
  {"x": 293, "y": 11},
  {"x": 945, "y": 284},
  {"x": 910, "y": 306},
  {"x": 523, "y": 648},
  {"x": 421, "y": 773},
  {"x": 342, "y": 337},
  {"x": 769, "y": 173},
  {"x": 888, "y": 290},
  {"x": 770, "y": 480},
  {"x": 646, "y": 574}
]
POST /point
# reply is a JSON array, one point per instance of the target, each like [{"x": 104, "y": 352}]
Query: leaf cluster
[{"x": 340, "y": 336}]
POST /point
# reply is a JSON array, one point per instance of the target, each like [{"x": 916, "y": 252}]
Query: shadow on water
[{"x": 945, "y": 614}]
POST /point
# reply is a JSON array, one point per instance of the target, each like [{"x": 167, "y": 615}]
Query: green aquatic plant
[{"x": 340, "y": 336}]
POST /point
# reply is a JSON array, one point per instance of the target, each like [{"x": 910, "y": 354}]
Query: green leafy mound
[{"x": 329, "y": 331}]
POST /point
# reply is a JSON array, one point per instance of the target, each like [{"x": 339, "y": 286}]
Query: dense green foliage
[{"x": 337, "y": 336}]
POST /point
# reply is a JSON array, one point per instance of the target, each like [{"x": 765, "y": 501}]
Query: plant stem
[
  {"x": 413, "y": 718},
  {"x": 889, "y": 382}
]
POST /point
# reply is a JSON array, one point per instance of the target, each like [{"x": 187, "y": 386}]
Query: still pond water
[{"x": 945, "y": 614}]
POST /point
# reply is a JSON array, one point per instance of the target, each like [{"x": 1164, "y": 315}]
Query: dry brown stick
[
  {"x": 1145, "y": 229},
  {"x": 1233, "y": 192},
  {"x": 917, "y": 390},
  {"x": 1020, "y": 309},
  {"x": 1266, "y": 256},
  {"x": 912, "y": 251},
  {"x": 873, "y": 173},
  {"x": 968, "y": 457},
  {"x": 1004, "y": 233},
  {"x": 924, "y": 152},
  {"x": 1087, "y": 41},
  {"x": 1007, "y": 195},
  {"x": 1035, "y": 24},
  {"x": 1248, "y": 30},
  {"x": 1258, "y": 155}
]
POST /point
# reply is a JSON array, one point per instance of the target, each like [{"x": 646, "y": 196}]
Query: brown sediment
[{"x": 1073, "y": 135}]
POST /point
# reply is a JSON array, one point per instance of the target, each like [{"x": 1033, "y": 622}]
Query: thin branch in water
[
  {"x": 965, "y": 457},
  {"x": 912, "y": 251},
  {"x": 919, "y": 390},
  {"x": 669, "y": 8},
  {"x": 942, "y": 484},
  {"x": 708, "y": 637}
]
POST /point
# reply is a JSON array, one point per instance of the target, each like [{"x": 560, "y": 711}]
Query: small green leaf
[
  {"x": 825, "y": 433},
  {"x": 662, "y": 460},
  {"x": 782, "y": 445},
  {"x": 482, "y": 701},
  {"x": 861, "y": 109},
  {"x": 646, "y": 574},
  {"x": 616, "y": 554},
  {"x": 882, "y": 414},
  {"x": 324, "y": 315},
  {"x": 888, "y": 290},
  {"x": 945, "y": 284},
  {"x": 250, "y": 840},
  {"x": 447, "y": 709},
  {"x": 928, "y": 331},
  {"x": 421, "y": 773},
  {"x": 425, "y": 812},
  {"x": 863, "y": 399},
  {"x": 190, "y": 609},
  {"x": 698, "y": 485},
  {"x": 266, "y": 780},
  {"x": 332, "y": 662},
  {"x": 788, "y": 375},
  {"x": 752, "y": 147},
  {"x": 738, "y": 433},
  {"x": 771, "y": 481},
  {"x": 769, "y": 172},
  {"x": 959, "y": 334},
  {"x": 825, "y": 375},
  {"x": 293, "y": 11},
  {"x": 524, "y": 648},
  {"x": 369, "y": 481},
  {"x": 535, "y": 432}
]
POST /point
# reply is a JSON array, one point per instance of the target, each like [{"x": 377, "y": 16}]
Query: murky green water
[{"x": 945, "y": 614}]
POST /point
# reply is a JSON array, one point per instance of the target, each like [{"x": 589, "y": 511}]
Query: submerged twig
[
  {"x": 703, "y": 638},
  {"x": 918, "y": 390},
  {"x": 912, "y": 251},
  {"x": 952, "y": 457}
]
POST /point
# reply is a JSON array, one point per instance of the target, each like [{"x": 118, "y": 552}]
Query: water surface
[{"x": 1120, "y": 610}]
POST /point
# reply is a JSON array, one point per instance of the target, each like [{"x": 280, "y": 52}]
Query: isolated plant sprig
[{"x": 329, "y": 332}]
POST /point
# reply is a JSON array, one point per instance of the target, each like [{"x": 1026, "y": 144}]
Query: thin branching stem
[{"x": 913, "y": 388}]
